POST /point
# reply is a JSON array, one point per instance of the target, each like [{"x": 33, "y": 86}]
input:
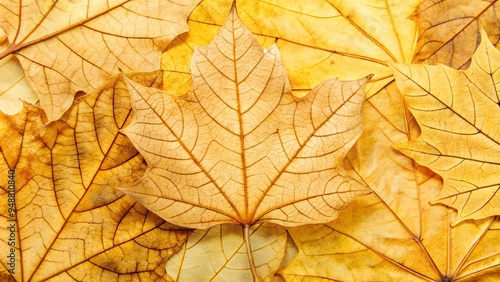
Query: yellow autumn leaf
[
  {"x": 65, "y": 220},
  {"x": 394, "y": 234},
  {"x": 241, "y": 149},
  {"x": 350, "y": 249},
  {"x": 219, "y": 254},
  {"x": 459, "y": 114},
  {"x": 449, "y": 30},
  {"x": 317, "y": 39},
  {"x": 68, "y": 46}
]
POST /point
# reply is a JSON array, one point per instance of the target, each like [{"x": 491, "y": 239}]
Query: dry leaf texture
[
  {"x": 219, "y": 254},
  {"x": 241, "y": 149},
  {"x": 459, "y": 114},
  {"x": 394, "y": 234},
  {"x": 69, "y": 223},
  {"x": 449, "y": 30},
  {"x": 68, "y": 46},
  {"x": 382, "y": 248},
  {"x": 317, "y": 39},
  {"x": 14, "y": 86}
]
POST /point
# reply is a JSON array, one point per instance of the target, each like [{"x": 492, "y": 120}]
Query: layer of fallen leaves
[
  {"x": 392, "y": 233},
  {"x": 67, "y": 46},
  {"x": 70, "y": 223},
  {"x": 402, "y": 189}
]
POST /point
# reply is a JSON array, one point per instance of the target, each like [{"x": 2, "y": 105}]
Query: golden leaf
[
  {"x": 449, "y": 30},
  {"x": 241, "y": 150},
  {"x": 368, "y": 242},
  {"x": 394, "y": 234},
  {"x": 219, "y": 254},
  {"x": 459, "y": 114},
  {"x": 317, "y": 39},
  {"x": 67, "y": 46},
  {"x": 68, "y": 223}
]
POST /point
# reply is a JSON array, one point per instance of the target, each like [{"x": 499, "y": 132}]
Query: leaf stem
[{"x": 246, "y": 235}]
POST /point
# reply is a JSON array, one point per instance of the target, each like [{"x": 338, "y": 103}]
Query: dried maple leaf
[
  {"x": 67, "y": 46},
  {"x": 459, "y": 114},
  {"x": 241, "y": 149},
  {"x": 13, "y": 84},
  {"x": 219, "y": 254},
  {"x": 394, "y": 234},
  {"x": 68, "y": 223},
  {"x": 449, "y": 30},
  {"x": 245, "y": 151}
]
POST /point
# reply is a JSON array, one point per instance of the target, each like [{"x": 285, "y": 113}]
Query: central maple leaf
[{"x": 241, "y": 148}]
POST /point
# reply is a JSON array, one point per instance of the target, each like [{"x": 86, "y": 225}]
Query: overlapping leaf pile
[
  {"x": 65, "y": 219},
  {"x": 66, "y": 46},
  {"x": 236, "y": 145},
  {"x": 372, "y": 238},
  {"x": 70, "y": 223}
]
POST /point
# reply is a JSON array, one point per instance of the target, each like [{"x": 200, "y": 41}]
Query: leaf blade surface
[
  {"x": 218, "y": 253},
  {"x": 463, "y": 147},
  {"x": 65, "y": 46},
  {"x": 241, "y": 149}
]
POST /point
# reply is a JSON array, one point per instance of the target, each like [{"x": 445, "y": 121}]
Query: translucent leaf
[{"x": 219, "y": 254}]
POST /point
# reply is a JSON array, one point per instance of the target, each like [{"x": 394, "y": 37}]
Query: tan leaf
[
  {"x": 68, "y": 46},
  {"x": 449, "y": 30},
  {"x": 459, "y": 114},
  {"x": 219, "y": 254},
  {"x": 241, "y": 150},
  {"x": 14, "y": 87},
  {"x": 68, "y": 222},
  {"x": 394, "y": 234}
]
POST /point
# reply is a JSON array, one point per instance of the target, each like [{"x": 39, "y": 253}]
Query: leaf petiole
[{"x": 246, "y": 235}]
